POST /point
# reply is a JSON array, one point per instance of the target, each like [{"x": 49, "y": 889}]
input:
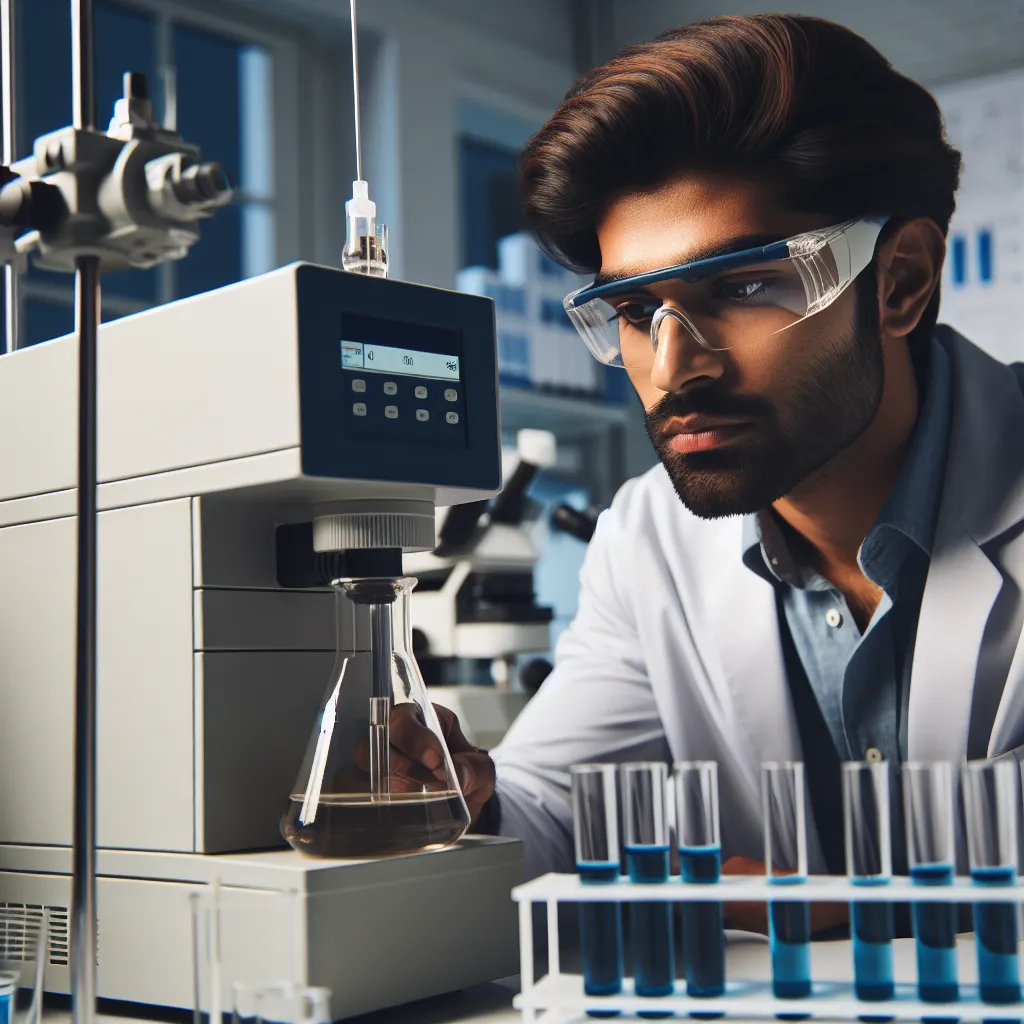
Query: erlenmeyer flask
[{"x": 377, "y": 778}]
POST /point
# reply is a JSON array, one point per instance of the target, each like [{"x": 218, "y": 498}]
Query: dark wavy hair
[{"x": 801, "y": 103}]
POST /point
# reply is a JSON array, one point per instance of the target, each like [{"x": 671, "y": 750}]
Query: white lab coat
[{"x": 675, "y": 652}]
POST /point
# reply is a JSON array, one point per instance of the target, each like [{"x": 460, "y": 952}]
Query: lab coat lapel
[
  {"x": 744, "y": 630},
  {"x": 958, "y": 596},
  {"x": 983, "y": 497}
]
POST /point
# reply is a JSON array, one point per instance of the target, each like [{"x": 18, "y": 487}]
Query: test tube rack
[{"x": 558, "y": 997}]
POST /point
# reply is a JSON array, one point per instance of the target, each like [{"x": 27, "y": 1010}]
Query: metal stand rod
[
  {"x": 83, "y": 865},
  {"x": 9, "y": 112},
  {"x": 87, "y": 316}
]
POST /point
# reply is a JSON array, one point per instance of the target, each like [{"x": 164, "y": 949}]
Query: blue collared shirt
[{"x": 862, "y": 680}]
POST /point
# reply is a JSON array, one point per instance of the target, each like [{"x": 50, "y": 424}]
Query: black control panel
[
  {"x": 398, "y": 381},
  {"x": 396, "y": 406}
]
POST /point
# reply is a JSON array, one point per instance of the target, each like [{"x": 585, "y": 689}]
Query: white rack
[{"x": 558, "y": 997}]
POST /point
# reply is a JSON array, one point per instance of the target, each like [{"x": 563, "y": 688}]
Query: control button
[
  {"x": 872, "y": 755},
  {"x": 359, "y": 409},
  {"x": 422, "y": 415},
  {"x": 421, "y": 391},
  {"x": 833, "y": 618},
  {"x": 451, "y": 417},
  {"x": 391, "y": 411},
  {"x": 390, "y": 388},
  {"x": 451, "y": 395},
  {"x": 359, "y": 385}
]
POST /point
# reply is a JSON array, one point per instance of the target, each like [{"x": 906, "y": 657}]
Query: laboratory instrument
[
  {"x": 700, "y": 856},
  {"x": 991, "y": 798},
  {"x": 90, "y": 202},
  {"x": 785, "y": 860},
  {"x": 869, "y": 863},
  {"x": 256, "y": 444},
  {"x": 931, "y": 856},
  {"x": 364, "y": 788},
  {"x": 595, "y": 817},
  {"x": 239, "y": 477},
  {"x": 476, "y": 612},
  {"x": 645, "y": 817}
]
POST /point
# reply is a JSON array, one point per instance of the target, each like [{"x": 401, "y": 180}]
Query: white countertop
[{"x": 747, "y": 957}]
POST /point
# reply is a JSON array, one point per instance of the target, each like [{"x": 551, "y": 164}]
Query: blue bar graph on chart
[
  {"x": 958, "y": 260},
  {"x": 985, "y": 256}
]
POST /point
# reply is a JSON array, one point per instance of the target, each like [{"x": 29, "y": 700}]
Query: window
[
  {"x": 222, "y": 96},
  {"x": 489, "y": 143}
]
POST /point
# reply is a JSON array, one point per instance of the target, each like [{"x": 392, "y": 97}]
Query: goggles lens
[{"x": 724, "y": 302}]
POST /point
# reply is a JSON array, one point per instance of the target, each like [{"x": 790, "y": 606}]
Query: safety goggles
[{"x": 726, "y": 301}]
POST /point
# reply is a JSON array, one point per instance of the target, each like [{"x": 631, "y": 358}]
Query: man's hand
[
  {"x": 415, "y": 750},
  {"x": 753, "y": 917}
]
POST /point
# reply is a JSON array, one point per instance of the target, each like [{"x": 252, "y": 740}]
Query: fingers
[
  {"x": 476, "y": 779},
  {"x": 411, "y": 737},
  {"x": 452, "y": 731},
  {"x": 743, "y": 866}
]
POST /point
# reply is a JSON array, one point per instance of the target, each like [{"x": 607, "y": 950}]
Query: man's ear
[{"x": 909, "y": 269}]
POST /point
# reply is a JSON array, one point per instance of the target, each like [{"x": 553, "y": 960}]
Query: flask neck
[{"x": 374, "y": 614}]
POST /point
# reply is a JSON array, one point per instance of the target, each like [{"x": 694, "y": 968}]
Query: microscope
[{"x": 476, "y": 611}]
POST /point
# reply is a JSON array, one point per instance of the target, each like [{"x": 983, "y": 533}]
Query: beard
[{"x": 820, "y": 409}]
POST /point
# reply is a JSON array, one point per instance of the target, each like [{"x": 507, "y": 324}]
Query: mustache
[{"x": 708, "y": 401}]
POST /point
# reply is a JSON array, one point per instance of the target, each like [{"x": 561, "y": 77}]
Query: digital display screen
[{"x": 390, "y": 359}]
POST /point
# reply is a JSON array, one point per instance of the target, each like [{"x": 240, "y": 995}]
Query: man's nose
[{"x": 679, "y": 358}]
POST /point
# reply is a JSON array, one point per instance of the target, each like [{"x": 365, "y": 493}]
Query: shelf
[
  {"x": 566, "y": 416},
  {"x": 746, "y": 1000},
  {"x": 817, "y": 888}
]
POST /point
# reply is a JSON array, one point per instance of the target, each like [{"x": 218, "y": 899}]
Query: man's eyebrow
[{"x": 732, "y": 245}]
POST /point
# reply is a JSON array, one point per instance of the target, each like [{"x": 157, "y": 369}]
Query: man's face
[{"x": 741, "y": 428}]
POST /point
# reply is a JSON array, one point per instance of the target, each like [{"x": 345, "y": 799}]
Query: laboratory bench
[{"x": 747, "y": 957}]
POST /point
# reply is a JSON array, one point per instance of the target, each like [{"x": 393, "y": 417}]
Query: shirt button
[
  {"x": 833, "y": 618},
  {"x": 872, "y": 755}
]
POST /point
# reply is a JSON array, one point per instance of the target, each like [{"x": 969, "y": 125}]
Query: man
[{"x": 827, "y": 564}]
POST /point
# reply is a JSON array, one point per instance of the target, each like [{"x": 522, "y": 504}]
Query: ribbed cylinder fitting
[{"x": 408, "y": 525}]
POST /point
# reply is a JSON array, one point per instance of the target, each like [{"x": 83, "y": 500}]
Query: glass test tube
[
  {"x": 700, "y": 855},
  {"x": 931, "y": 855},
  {"x": 595, "y": 814},
  {"x": 785, "y": 859},
  {"x": 645, "y": 811},
  {"x": 990, "y": 810},
  {"x": 869, "y": 862}
]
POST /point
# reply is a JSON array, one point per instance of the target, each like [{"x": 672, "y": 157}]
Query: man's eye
[
  {"x": 741, "y": 290},
  {"x": 636, "y": 313}
]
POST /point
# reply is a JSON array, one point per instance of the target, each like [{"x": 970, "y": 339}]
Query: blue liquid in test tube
[
  {"x": 645, "y": 811},
  {"x": 651, "y": 924},
  {"x": 990, "y": 812},
  {"x": 995, "y": 932},
  {"x": 935, "y": 929},
  {"x": 931, "y": 851},
  {"x": 703, "y": 928},
  {"x": 869, "y": 863},
  {"x": 783, "y": 805},
  {"x": 700, "y": 855},
  {"x": 595, "y": 824}
]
